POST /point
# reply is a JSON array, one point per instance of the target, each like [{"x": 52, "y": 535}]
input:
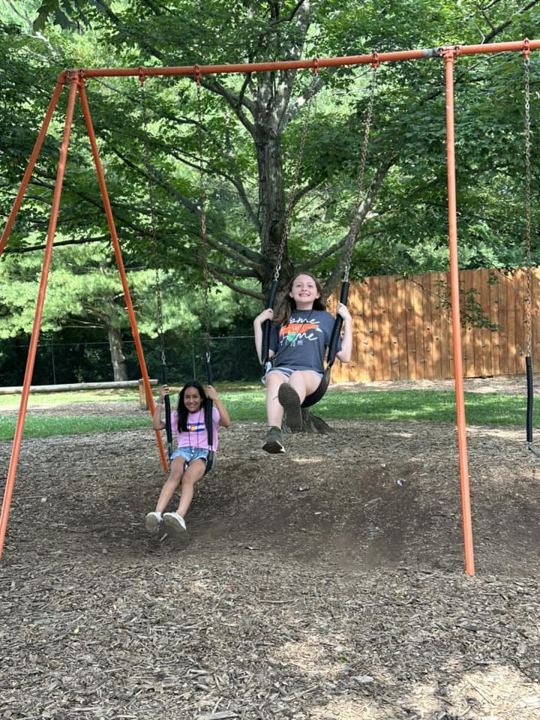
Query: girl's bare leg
[
  {"x": 274, "y": 411},
  {"x": 192, "y": 475},
  {"x": 173, "y": 481},
  {"x": 304, "y": 382}
]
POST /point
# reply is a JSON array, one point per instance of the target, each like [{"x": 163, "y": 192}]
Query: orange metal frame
[{"x": 76, "y": 79}]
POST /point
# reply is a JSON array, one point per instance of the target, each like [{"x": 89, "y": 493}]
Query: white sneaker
[
  {"x": 152, "y": 522},
  {"x": 174, "y": 523}
]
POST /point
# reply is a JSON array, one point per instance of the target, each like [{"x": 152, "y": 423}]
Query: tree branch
[
  {"x": 237, "y": 288},
  {"x": 235, "y": 101},
  {"x": 235, "y": 272},
  {"x": 61, "y": 243},
  {"x": 235, "y": 251},
  {"x": 363, "y": 210},
  {"x": 496, "y": 31},
  {"x": 236, "y": 182}
]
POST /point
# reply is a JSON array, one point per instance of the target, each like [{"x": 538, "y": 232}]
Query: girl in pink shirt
[{"x": 188, "y": 462}]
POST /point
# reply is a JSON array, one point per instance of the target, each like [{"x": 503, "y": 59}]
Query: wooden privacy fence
[{"x": 402, "y": 328}]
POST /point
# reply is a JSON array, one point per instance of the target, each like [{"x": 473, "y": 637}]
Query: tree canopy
[{"x": 246, "y": 131}]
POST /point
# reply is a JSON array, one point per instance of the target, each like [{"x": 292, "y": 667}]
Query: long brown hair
[{"x": 288, "y": 304}]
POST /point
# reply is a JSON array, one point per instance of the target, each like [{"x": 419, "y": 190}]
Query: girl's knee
[
  {"x": 194, "y": 473},
  {"x": 188, "y": 483},
  {"x": 274, "y": 381},
  {"x": 174, "y": 480}
]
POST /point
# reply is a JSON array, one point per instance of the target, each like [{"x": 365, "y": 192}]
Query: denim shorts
[
  {"x": 190, "y": 454},
  {"x": 287, "y": 372}
]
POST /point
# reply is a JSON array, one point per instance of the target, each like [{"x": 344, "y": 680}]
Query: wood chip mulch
[{"x": 326, "y": 584}]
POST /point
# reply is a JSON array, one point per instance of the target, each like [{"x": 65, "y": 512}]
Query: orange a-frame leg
[
  {"x": 120, "y": 263},
  {"x": 37, "y": 317},
  {"x": 449, "y": 56},
  {"x": 31, "y": 163}
]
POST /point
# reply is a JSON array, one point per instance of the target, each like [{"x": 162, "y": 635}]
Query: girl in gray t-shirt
[{"x": 300, "y": 333}]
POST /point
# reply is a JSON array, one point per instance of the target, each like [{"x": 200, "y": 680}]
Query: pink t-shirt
[{"x": 196, "y": 435}]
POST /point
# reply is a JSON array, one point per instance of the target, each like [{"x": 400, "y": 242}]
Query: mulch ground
[{"x": 325, "y": 584}]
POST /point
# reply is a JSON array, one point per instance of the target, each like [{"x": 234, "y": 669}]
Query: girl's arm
[
  {"x": 346, "y": 341},
  {"x": 157, "y": 422},
  {"x": 267, "y": 314},
  {"x": 224, "y": 419}
]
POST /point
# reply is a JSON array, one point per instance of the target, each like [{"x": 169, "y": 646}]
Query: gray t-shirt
[{"x": 301, "y": 343}]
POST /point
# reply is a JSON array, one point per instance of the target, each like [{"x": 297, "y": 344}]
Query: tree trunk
[
  {"x": 310, "y": 424},
  {"x": 117, "y": 354},
  {"x": 271, "y": 202}
]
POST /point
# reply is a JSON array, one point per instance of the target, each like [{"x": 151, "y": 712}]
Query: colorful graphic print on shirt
[{"x": 296, "y": 332}]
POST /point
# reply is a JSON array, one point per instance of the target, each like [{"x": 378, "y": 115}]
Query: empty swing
[{"x": 528, "y": 296}]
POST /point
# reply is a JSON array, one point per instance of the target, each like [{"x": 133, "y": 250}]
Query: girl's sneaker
[
  {"x": 273, "y": 442},
  {"x": 152, "y": 522},
  {"x": 174, "y": 523},
  {"x": 288, "y": 398}
]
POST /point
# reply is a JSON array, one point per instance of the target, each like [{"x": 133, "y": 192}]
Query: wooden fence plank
[
  {"x": 492, "y": 311},
  {"x": 504, "y": 360},
  {"x": 520, "y": 322},
  {"x": 535, "y": 317},
  {"x": 409, "y": 370},
  {"x": 386, "y": 338},
  {"x": 435, "y": 324},
  {"x": 365, "y": 334},
  {"x": 427, "y": 305},
  {"x": 487, "y": 359},
  {"x": 467, "y": 340},
  {"x": 440, "y": 347},
  {"x": 399, "y": 330},
  {"x": 376, "y": 327},
  {"x": 418, "y": 305},
  {"x": 478, "y": 332},
  {"x": 511, "y": 325}
]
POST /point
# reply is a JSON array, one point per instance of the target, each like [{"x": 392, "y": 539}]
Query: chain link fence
[{"x": 233, "y": 359}]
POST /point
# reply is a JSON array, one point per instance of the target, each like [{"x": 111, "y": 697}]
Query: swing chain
[
  {"x": 528, "y": 298},
  {"x": 292, "y": 192},
  {"x": 152, "y": 215},
  {"x": 356, "y": 212},
  {"x": 204, "y": 235}
]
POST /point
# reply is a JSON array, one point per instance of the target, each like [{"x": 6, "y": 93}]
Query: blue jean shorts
[
  {"x": 284, "y": 371},
  {"x": 190, "y": 454}
]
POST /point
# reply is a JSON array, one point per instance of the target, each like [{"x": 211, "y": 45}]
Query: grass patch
[
  {"x": 65, "y": 398},
  {"x": 425, "y": 406},
  {"x": 249, "y": 406},
  {"x": 402, "y": 405},
  {"x": 43, "y": 426}
]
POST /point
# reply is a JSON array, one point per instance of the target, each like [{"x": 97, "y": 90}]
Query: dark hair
[
  {"x": 182, "y": 409},
  {"x": 288, "y": 305}
]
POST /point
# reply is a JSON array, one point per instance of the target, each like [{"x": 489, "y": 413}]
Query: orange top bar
[{"x": 309, "y": 64}]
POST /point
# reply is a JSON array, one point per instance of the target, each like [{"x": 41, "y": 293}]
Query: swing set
[{"x": 76, "y": 80}]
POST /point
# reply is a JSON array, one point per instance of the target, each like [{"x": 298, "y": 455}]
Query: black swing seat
[
  {"x": 211, "y": 459},
  {"x": 210, "y": 462},
  {"x": 318, "y": 394},
  {"x": 530, "y": 401}
]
